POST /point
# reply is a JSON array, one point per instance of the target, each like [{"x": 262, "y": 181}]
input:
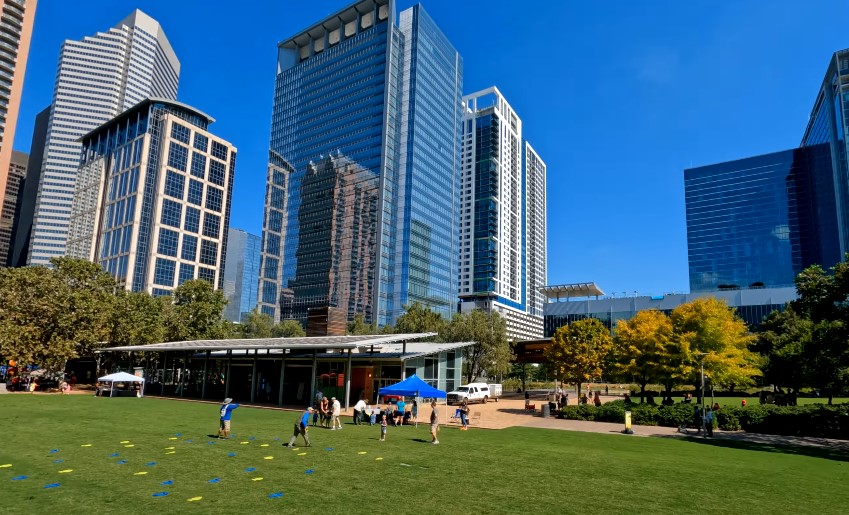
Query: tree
[
  {"x": 418, "y": 318},
  {"x": 490, "y": 352},
  {"x": 579, "y": 350},
  {"x": 288, "y": 329},
  {"x": 136, "y": 319},
  {"x": 90, "y": 293},
  {"x": 360, "y": 327},
  {"x": 709, "y": 332},
  {"x": 195, "y": 313},
  {"x": 256, "y": 325},
  {"x": 784, "y": 342},
  {"x": 645, "y": 349}
]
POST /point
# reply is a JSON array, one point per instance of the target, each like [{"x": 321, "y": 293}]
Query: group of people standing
[{"x": 327, "y": 412}]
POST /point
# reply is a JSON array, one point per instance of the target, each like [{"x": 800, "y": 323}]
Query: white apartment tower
[
  {"x": 502, "y": 217},
  {"x": 97, "y": 78}
]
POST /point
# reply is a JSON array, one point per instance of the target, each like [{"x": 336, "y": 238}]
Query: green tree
[
  {"x": 288, "y": 329},
  {"x": 490, "y": 353},
  {"x": 709, "y": 332},
  {"x": 90, "y": 294},
  {"x": 645, "y": 351},
  {"x": 579, "y": 351},
  {"x": 256, "y": 325},
  {"x": 783, "y": 341},
  {"x": 196, "y": 313},
  {"x": 136, "y": 319},
  {"x": 418, "y": 318},
  {"x": 360, "y": 327}
]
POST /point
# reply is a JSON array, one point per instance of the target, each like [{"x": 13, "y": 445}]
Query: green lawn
[{"x": 479, "y": 471}]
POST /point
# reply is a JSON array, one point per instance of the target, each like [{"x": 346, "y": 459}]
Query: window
[
  {"x": 174, "y": 184},
  {"x": 198, "y": 165},
  {"x": 214, "y": 198},
  {"x": 168, "y": 242},
  {"x": 208, "y": 252},
  {"x": 219, "y": 151},
  {"x": 275, "y": 221},
  {"x": 178, "y": 156},
  {"x": 163, "y": 273},
  {"x": 192, "y": 223},
  {"x": 211, "y": 224},
  {"x": 277, "y": 197},
  {"x": 207, "y": 274},
  {"x": 171, "y": 212},
  {"x": 187, "y": 273},
  {"x": 180, "y": 133},
  {"x": 195, "y": 192},
  {"x": 190, "y": 248},
  {"x": 201, "y": 142},
  {"x": 217, "y": 169}
]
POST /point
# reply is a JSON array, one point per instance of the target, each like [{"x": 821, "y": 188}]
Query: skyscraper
[
  {"x": 17, "y": 172},
  {"x": 759, "y": 221},
  {"x": 152, "y": 200},
  {"x": 385, "y": 97},
  {"x": 15, "y": 33},
  {"x": 502, "y": 217},
  {"x": 828, "y": 125},
  {"x": 28, "y": 192},
  {"x": 241, "y": 273},
  {"x": 98, "y": 78}
]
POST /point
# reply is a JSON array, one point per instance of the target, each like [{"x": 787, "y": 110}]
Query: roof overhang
[{"x": 571, "y": 290}]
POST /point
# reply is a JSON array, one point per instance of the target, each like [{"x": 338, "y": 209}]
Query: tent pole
[
  {"x": 164, "y": 369},
  {"x": 348, "y": 383},
  {"x": 203, "y": 384},
  {"x": 282, "y": 371},
  {"x": 111, "y": 388},
  {"x": 253, "y": 380}
]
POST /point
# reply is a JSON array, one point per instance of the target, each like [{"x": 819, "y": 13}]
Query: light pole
[{"x": 702, "y": 367}]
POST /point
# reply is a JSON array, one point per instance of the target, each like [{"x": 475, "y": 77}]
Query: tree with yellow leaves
[
  {"x": 579, "y": 350},
  {"x": 646, "y": 351}
]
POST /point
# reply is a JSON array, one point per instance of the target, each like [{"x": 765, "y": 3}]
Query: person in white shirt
[
  {"x": 359, "y": 408},
  {"x": 337, "y": 408}
]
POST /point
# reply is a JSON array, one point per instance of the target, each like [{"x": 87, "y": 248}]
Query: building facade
[
  {"x": 759, "y": 221},
  {"x": 152, "y": 199},
  {"x": 385, "y": 96},
  {"x": 502, "y": 217},
  {"x": 97, "y": 78},
  {"x": 14, "y": 181},
  {"x": 15, "y": 33},
  {"x": 241, "y": 273},
  {"x": 28, "y": 192}
]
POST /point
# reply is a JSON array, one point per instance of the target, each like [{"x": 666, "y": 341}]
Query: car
[{"x": 474, "y": 392}]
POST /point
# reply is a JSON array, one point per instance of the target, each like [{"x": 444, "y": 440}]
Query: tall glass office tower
[
  {"x": 98, "y": 77},
  {"x": 384, "y": 97},
  {"x": 241, "y": 273}
]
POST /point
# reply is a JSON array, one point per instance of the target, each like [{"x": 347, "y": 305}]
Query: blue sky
[{"x": 617, "y": 97}]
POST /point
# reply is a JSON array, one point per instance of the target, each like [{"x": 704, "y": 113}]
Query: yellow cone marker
[
  {"x": 131, "y": 445},
  {"x": 361, "y": 452},
  {"x": 5, "y": 466},
  {"x": 85, "y": 445},
  {"x": 170, "y": 448},
  {"x": 256, "y": 479},
  {"x": 302, "y": 454},
  {"x": 172, "y": 438},
  {"x": 378, "y": 459},
  {"x": 264, "y": 445},
  {"x": 269, "y": 458},
  {"x": 171, "y": 452},
  {"x": 140, "y": 473},
  {"x": 193, "y": 499},
  {"x": 66, "y": 471},
  {"x": 125, "y": 441},
  {"x": 244, "y": 443}
]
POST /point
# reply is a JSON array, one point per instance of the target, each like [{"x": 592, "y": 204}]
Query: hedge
[{"x": 819, "y": 420}]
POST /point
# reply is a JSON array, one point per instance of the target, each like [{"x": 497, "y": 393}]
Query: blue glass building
[
  {"x": 386, "y": 97},
  {"x": 241, "y": 273},
  {"x": 757, "y": 222}
]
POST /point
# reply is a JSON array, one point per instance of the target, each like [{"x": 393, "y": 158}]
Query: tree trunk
[
  {"x": 830, "y": 398},
  {"x": 642, "y": 392},
  {"x": 579, "y": 391}
]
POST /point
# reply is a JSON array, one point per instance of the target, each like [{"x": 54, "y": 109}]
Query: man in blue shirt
[
  {"x": 302, "y": 426},
  {"x": 226, "y": 412}
]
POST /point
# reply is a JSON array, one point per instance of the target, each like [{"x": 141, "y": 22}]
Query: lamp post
[{"x": 702, "y": 368}]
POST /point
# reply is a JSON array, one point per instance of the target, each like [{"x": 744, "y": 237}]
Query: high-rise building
[
  {"x": 15, "y": 33},
  {"x": 828, "y": 125},
  {"x": 15, "y": 178},
  {"x": 98, "y": 78},
  {"x": 152, "y": 199},
  {"x": 241, "y": 273},
  {"x": 502, "y": 217},
  {"x": 28, "y": 192},
  {"x": 759, "y": 221},
  {"x": 385, "y": 97}
]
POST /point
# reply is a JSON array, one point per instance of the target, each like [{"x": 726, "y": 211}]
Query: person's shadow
[{"x": 421, "y": 440}]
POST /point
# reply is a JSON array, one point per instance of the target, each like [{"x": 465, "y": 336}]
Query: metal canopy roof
[
  {"x": 305, "y": 342},
  {"x": 571, "y": 290},
  {"x": 403, "y": 351}
]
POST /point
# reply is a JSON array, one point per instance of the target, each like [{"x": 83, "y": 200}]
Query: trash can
[{"x": 546, "y": 410}]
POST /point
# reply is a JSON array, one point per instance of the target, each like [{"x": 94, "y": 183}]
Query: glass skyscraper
[
  {"x": 757, "y": 222},
  {"x": 241, "y": 273},
  {"x": 385, "y": 97}
]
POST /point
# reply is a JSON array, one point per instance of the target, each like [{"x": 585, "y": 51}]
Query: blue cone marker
[
  {"x": 122, "y": 462},
  {"x": 178, "y": 434},
  {"x": 152, "y": 463},
  {"x": 115, "y": 455},
  {"x": 54, "y": 450},
  {"x": 188, "y": 441},
  {"x": 252, "y": 438},
  {"x": 169, "y": 482},
  {"x": 58, "y": 461},
  {"x": 160, "y": 494},
  {"x": 19, "y": 478},
  {"x": 275, "y": 495},
  {"x": 276, "y": 439},
  {"x": 231, "y": 454},
  {"x": 52, "y": 485},
  {"x": 214, "y": 480},
  {"x": 328, "y": 449},
  {"x": 309, "y": 471},
  {"x": 250, "y": 469},
  {"x": 211, "y": 442}
]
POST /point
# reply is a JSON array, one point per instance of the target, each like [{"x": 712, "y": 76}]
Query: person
[
  {"x": 383, "y": 425},
  {"x": 302, "y": 427},
  {"x": 627, "y": 399},
  {"x": 324, "y": 408},
  {"x": 359, "y": 408},
  {"x": 226, "y": 412},
  {"x": 389, "y": 410},
  {"x": 73, "y": 380},
  {"x": 464, "y": 415},
  {"x": 372, "y": 419},
  {"x": 709, "y": 422},
  {"x": 743, "y": 403},
  {"x": 688, "y": 398},
  {"x": 527, "y": 398},
  {"x": 414, "y": 412},
  {"x": 268, "y": 391},
  {"x": 564, "y": 399},
  {"x": 401, "y": 407},
  {"x": 606, "y": 390},
  {"x": 316, "y": 404},
  {"x": 434, "y": 423},
  {"x": 597, "y": 400},
  {"x": 697, "y": 419},
  {"x": 32, "y": 386},
  {"x": 337, "y": 408},
  {"x": 715, "y": 406}
]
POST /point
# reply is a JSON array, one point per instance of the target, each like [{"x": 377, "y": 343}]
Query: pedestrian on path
[
  {"x": 434, "y": 423},
  {"x": 302, "y": 427},
  {"x": 226, "y": 413},
  {"x": 709, "y": 416}
]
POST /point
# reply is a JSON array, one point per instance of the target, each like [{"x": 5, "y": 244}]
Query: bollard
[{"x": 628, "y": 430}]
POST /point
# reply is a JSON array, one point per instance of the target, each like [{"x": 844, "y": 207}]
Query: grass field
[{"x": 76, "y": 442}]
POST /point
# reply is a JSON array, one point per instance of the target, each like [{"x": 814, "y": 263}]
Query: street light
[{"x": 702, "y": 362}]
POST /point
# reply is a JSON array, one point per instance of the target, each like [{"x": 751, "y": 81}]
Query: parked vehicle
[{"x": 474, "y": 392}]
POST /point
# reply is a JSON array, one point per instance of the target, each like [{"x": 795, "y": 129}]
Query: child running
[
  {"x": 226, "y": 412},
  {"x": 383, "y": 425}
]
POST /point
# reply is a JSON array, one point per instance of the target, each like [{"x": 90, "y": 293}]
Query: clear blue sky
[{"x": 617, "y": 97}]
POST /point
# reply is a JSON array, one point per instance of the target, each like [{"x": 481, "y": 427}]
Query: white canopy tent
[{"x": 122, "y": 377}]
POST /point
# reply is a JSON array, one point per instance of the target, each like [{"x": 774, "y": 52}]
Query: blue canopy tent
[{"x": 413, "y": 386}]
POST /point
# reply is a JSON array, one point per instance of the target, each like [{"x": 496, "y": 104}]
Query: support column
[
  {"x": 203, "y": 381},
  {"x": 164, "y": 369},
  {"x": 312, "y": 378},
  {"x": 282, "y": 371},
  {"x": 348, "y": 382},
  {"x": 183, "y": 375},
  {"x": 227, "y": 379},
  {"x": 253, "y": 380}
]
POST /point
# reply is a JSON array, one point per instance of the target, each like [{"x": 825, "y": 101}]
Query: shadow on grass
[
  {"x": 517, "y": 411},
  {"x": 825, "y": 451},
  {"x": 421, "y": 440}
]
